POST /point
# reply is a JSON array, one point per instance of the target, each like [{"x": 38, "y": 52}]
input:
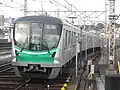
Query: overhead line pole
[
  {"x": 111, "y": 34},
  {"x": 25, "y": 7}
]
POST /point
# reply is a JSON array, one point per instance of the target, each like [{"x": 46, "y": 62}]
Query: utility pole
[
  {"x": 106, "y": 29},
  {"x": 25, "y": 7},
  {"x": 111, "y": 35}
]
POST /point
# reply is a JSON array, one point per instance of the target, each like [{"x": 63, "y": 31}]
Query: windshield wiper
[
  {"x": 46, "y": 45},
  {"x": 23, "y": 46}
]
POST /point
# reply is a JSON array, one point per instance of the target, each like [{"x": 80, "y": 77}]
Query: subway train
[{"x": 43, "y": 45}]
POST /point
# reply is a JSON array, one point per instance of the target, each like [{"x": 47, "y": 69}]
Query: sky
[{"x": 14, "y": 8}]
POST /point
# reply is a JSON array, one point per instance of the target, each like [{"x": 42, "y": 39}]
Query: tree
[{"x": 100, "y": 26}]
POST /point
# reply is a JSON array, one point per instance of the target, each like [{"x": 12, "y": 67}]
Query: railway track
[
  {"x": 84, "y": 83},
  {"x": 5, "y": 67},
  {"x": 6, "y": 44},
  {"x": 5, "y": 53},
  {"x": 9, "y": 81},
  {"x": 16, "y": 83},
  {"x": 5, "y": 49}
]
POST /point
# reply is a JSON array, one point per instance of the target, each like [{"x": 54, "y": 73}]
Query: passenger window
[
  {"x": 66, "y": 39},
  {"x": 69, "y": 38},
  {"x": 74, "y": 37}
]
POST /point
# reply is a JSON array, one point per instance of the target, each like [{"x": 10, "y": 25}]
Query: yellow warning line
[{"x": 64, "y": 87}]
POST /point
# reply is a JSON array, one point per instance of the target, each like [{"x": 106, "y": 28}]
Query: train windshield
[
  {"x": 21, "y": 33},
  {"x": 51, "y": 35},
  {"x": 39, "y": 36},
  {"x": 44, "y": 36},
  {"x": 36, "y": 36}
]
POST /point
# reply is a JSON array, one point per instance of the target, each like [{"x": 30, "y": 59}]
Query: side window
[
  {"x": 74, "y": 37},
  {"x": 66, "y": 38},
  {"x": 84, "y": 37},
  {"x": 83, "y": 41},
  {"x": 69, "y": 38},
  {"x": 94, "y": 40},
  {"x": 88, "y": 39}
]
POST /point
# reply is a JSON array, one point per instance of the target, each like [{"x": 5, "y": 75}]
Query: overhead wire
[
  {"x": 54, "y": 4},
  {"x": 71, "y": 5},
  {"x": 68, "y": 4},
  {"x": 10, "y": 6},
  {"x": 5, "y": 5},
  {"x": 18, "y": 3},
  {"x": 60, "y": 4}
]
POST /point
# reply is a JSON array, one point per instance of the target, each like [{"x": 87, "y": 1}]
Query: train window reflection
[
  {"x": 21, "y": 33},
  {"x": 51, "y": 35}
]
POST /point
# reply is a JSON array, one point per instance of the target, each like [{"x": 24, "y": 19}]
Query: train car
[{"x": 42, "y": 45}]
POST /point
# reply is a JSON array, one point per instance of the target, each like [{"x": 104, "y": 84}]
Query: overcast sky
[{"x": 15, "y": 8}]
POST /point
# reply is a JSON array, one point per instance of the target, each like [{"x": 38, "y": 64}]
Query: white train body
[{"x": 66, "y": 48}]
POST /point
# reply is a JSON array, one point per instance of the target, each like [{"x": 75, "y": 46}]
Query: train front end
[{"x": 35, "y": 42}]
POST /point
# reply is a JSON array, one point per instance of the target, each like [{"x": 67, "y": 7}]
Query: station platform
[
  {"x": 103, "y": 66},
  {"x": 100, "y": 81}
]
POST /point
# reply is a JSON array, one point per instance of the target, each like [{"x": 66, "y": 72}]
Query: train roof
[
  {"x": 43, "y": 19},
  {"x": 51, "y": 20}
]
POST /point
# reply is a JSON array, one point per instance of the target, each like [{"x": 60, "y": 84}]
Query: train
[{"x": 43, "y": 45}]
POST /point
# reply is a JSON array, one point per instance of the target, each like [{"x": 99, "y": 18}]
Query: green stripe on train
[{"x": 35, "y": 57}]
